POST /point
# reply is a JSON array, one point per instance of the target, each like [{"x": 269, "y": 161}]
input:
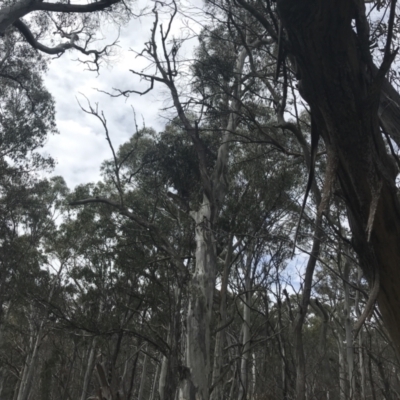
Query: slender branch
[
  {"x": 165, "y": 245},
  {"x": 26, "y": 32}
]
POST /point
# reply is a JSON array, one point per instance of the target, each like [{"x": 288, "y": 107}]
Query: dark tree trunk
[{"x": 338, "y": 84}]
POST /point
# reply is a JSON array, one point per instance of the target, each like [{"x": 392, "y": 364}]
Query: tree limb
[{"x": 26, "y": 32}]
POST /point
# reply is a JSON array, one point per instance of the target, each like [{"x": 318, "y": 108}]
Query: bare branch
[{"x": 26, "y": 32}]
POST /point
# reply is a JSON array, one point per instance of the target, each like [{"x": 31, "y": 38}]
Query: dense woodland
[{"x": 249, "y": 250}]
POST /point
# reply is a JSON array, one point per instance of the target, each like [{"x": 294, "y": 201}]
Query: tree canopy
[{"x": 249, "y": 249}]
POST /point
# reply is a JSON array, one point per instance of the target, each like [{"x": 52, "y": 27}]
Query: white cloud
[{"x": 80, "y": 148}]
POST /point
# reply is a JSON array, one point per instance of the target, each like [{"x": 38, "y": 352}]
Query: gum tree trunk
[
  {"x": 168, "y": 381},
  {"x": 143, "y": 377},
  {"x": 89, "y": 369},
  {"x": 200, "y": 306},
  {"x": 217, "y": 377},
  {"x": 244, "y": 364},
  {"x": 338, "y": 82},
  {"x": 348, "y": 326},
  {"x": 196, "y": 385}
]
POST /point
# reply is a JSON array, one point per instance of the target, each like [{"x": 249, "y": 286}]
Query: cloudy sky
[{"x": 81, "y": 147}]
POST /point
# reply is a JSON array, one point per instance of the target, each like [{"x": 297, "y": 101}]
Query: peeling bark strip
[
  {"x": 337, "y": 80},
  {"x": 200, "y": 305}
]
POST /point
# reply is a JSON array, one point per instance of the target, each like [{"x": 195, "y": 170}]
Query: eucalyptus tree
[
  {"x": 226, "y": 91},
  {"x": 28, "y": 281},
  {"x": 26, "y": 119},
  {"x": 205, "y": 213},
  {"x": 329, "y": 50},
  {"x": 328, "y": 47},
  {"x": 153, "y": 243}
]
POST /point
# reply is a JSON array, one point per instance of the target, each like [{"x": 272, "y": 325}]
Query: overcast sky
[{"x": 81, "y": 147}]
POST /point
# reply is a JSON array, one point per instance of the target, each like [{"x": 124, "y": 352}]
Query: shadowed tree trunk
[
  {"x": 360, "y": 340},
  {"x": 218, "y": 373},
  {"x": 89, "y": 369},
  {"x": 244, "y": 364},
  {"x": 343, "y": 91},
  {"x": 143, "y": 377},
  {"x": 348, "y": 326}
]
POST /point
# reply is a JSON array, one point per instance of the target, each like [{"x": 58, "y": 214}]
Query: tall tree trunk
[
  {"x": 371, "y": 375},
  {"x": 30, "y": 366},
  {"x": 343, "y": 92},
  {"x": 163, "y": 377},
  {"x": 325, "y": 374},
  {"x": 155, "y": 380},
  {"x": 300, "y": 361},
  {"x": 200, "y": 306},
  {"x": 3, "y": 368},
  {"x": 131, "y": 389},
  {"x": 217, "y": 376},
  {"x": 89, "y": 368},
  {"x": 343, "y": 389},
  {"x": 348, "y": 326},
  {"x": 143, "y": 377},
  {"x": 252, "y": 383},
  {"x": 244, "y": 365},
  {"x": 281, "y": 342},
  {"x": 196, "y": 385},
  {"x": 169, "y": 379},
  {"x": 233, "y": 383},
  {"x": 361, "y": 355}
]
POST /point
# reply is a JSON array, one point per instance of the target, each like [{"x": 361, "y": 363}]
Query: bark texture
[
  {"x": 340, "y": 86},
  {"x": 200, "y": 305}
]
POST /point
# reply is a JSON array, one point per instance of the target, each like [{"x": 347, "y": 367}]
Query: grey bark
[
  {"x": 348, "y": 324},
  {"x": 163, "y": 377},
  {"x": 89, "y": 369},
  {"x": 360, "y": 341},
  {"x": 200, "y": 305},
  {"x": 217, "y": 376},
  {"x": 203, "y": 280},
  {"x": 143, "y": 377},
  {"x": 252, "y": 383},
  {"x": 342, "y": 370},
  {"x": 244, "y": 364},
  {"x": 3, "y": 369},
  {"x": 302, "y": 312},
  {"x": 337, "y": 89},
  {"x": 154, "y": 386},
  {"x": 169, "y": 375},
  {"x": 233, "y": 383},
  {"x": 325, "y": 368}
]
